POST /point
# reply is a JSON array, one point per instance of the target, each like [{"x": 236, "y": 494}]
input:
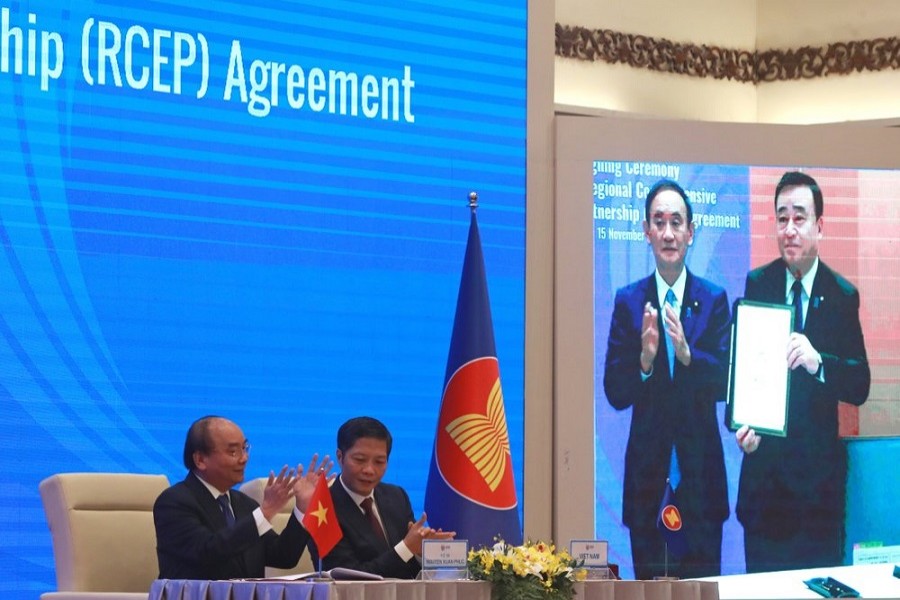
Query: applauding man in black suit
[
  {"x": 666, "y": 360},
  {"x": 376, "y": 518},
  {"x": 206, "y": 530}
]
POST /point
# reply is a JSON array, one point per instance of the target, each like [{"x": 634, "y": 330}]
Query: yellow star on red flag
[
  {"x": 321, "y": 513},
  {"x": 325, "y": 532}
]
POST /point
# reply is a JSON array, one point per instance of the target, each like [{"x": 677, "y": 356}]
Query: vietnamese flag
[{"x": 320, "y": 520}]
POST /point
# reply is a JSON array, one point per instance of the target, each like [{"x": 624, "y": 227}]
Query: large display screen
[
  {"x": 734, "y": 220},
  {"x": 258, "y": 211}
]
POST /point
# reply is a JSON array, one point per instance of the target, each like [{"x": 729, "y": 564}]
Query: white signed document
[{"x": 759, "y": 382}]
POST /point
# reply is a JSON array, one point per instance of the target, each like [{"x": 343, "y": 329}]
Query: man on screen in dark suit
[
  {"x": 666, "y": 359},
  {"x": 791, "y": 495},
  {"x": 207, "y": 530},
  {"x": 376, "y": 518}
]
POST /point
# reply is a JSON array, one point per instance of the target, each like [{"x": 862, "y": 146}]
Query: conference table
[
  {"x": 394, "y": 589},
  {"x": 871, "y": 581}
]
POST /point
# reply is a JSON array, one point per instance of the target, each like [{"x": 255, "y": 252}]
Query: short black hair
[
  {"x": 362, "y": 427},
  {"x": 197, "y": 439},
  {"x": 668, "y": 184},
  {"x": 796, "y": 178}
]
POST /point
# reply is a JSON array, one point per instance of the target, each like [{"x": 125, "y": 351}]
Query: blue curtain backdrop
[{"x": 254, "y": 211}]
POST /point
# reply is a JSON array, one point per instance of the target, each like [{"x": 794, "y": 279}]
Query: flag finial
[{"x": 473, "y": 200}]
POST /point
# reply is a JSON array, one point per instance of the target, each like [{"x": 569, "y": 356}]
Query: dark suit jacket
[
  {"x": 361, "y": 548},
  {"x": 791, "y": 480},
  {"x": 192, "y": 541},
  {"x": 667, "y": 412}
]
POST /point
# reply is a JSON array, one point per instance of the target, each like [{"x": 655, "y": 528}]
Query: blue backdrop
[{"x": 255, "y": 211}]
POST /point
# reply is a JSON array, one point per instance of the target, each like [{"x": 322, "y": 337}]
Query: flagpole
[
  {"x": 665, "y": 576},
  {"x": 666, "y": 559},
  {"x": 473, "y": 200},
  {"x": 666, "y": 548}
]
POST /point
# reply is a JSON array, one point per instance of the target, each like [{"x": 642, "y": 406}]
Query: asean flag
[
  {"x": 471, "y": 489},
  {"x": 670, "y": 524}
]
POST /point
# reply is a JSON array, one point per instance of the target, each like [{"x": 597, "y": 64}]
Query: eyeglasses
[{"x": 235, "y": 452}]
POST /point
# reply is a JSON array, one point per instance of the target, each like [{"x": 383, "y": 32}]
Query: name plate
[
  {"x": 444, "y": 554},
  {"x": 594, "y": 553}
]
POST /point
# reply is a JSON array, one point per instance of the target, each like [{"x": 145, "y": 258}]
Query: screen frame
[{"x": 579, "y": 141}]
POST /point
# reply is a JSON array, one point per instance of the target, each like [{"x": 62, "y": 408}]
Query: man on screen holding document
[
  {"x": 207, "y": 530},
  {"x": 667, "y": 360},
  {"x": 792, "y": 489}
]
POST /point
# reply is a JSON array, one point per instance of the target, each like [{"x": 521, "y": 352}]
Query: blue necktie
[
  {"x": 797, "y": 288},
  {"x": 670, "y": 347},
  {"x": 674, "y": 471},
  {"x": 225, "y": 505}
]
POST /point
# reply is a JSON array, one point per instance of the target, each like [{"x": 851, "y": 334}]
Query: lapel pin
[{"x": 689, "y": 310}]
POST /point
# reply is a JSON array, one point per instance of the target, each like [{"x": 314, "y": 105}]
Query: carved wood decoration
[{"x": 657, "y": 54}]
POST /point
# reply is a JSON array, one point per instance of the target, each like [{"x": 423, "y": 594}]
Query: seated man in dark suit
[
  {"x": 376, "y": 518},
  {"x": 206, "y": 530}
]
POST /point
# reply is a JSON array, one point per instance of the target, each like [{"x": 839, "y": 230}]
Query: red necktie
[{"x": 366, "y": 505}]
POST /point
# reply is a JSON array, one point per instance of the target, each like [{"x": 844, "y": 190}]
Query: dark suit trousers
[{"x": 817, "y": 543}]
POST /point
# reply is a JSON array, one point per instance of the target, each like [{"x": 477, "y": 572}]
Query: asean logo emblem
[
  {"x": 472, "y": 445},
  {"x": 671, "y": 518}
]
